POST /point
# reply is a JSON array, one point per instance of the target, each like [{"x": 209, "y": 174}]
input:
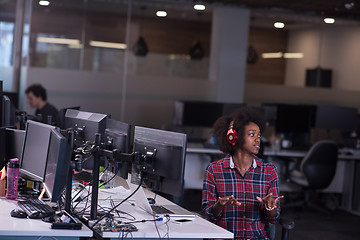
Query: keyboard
[
  {"x": 33, "y": 206},
  {"x": 160, "y": 210}
]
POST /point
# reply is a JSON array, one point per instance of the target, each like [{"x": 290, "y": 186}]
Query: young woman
[{"x": 240, "y": 191}]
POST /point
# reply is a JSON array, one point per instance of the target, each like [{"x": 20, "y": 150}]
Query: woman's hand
[
  {"x": 270, "y": 203},
  {"x": 221, "y": 202},
  {"x": 230, "y": 200}
]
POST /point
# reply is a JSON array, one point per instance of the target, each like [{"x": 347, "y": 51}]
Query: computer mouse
[
  {"x": 37, "y": 215},
  {"x": 17, "y": 213},
  {"x": 151, "y": 200}
]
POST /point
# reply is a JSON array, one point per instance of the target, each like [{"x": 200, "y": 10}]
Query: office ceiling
[{"x": 336, "y": 8}]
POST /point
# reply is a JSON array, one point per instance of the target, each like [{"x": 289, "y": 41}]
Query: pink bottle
[{"x": 12, "y": 179}]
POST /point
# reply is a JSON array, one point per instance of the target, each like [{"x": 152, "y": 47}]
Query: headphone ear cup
[{"x": 232, "y": 136}]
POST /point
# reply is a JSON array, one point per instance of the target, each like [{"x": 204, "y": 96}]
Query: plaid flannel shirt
[{"x": 223, "y": 179}]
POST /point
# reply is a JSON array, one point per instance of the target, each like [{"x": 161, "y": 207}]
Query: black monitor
[
  {"x": 294, "y": 118},
  {"x": 14, "y": 98},
  {"x": 61, "y": 116},
  {"x": 163, "y": 160},
  {"x": 85, "y": 125},
  {"x": 117, "y": 137},
  {"x": 335, "y": 117},
  {"x": 35, "y": 150},
  {"x": 15, "y": 141},
  {"x": 8, "y": 112},
  {"x": 2, "y": 147},
  {"x": 57, "y": 165},
  {"x": 196, "y": 114},
  {"x": 117, "y": 134},
  {"x": 201, "y": 113}
]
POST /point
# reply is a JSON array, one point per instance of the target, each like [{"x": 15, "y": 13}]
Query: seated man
[{"x": 36, "y": 96}]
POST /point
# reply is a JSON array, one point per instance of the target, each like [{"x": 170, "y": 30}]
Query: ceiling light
[
  {"x": 349, "y": 6},
  {"x": 161, "y": 13},
  {"x": 58, "y": 40},
  {"x": 329, "y": 20},
  {"x": 199, "y": 7},
  {"x": 293, "y": 55},
  {"x": 107, "y": 44},
  {"x": 272, "y": 55},
  {"x": 44, "y": 3},
  {"x": 279, "y": 25}
]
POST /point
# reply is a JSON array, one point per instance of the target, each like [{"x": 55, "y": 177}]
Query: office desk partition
[{"x": 16, "y": 228}]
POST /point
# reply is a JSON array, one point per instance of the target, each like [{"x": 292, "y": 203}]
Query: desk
[
  {"x": 16, "y": 228},
  {"x": 198, "y": 228}
]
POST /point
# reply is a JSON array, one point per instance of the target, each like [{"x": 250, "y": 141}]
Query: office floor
[
  {"x": 312, "y": 225},
  {"x": 309, "y": 224}
]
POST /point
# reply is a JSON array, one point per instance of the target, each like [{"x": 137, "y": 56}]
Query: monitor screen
[
  {"x": 35, "y": 149},
  {"x": 163, "y": 160},
  {"x": 8, "y": 112},
  {"x": 85, "y": 125},
  {"x": 15, "y": 138},
  {"x": 197, "y": 114},
  {"x": 294, "y": 118},
  {"x": 2, "y": 147},
  {"x": 334, "y": 117},
  {"x": 57, "y": 165}
]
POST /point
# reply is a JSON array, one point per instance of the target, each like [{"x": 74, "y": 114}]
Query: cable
[
  {"x": 89, "y": 193},
  {"x": 112, "y": 209},
  {"x": 84, "y": 186}
]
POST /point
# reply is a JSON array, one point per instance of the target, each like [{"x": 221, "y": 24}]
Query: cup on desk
[{"x": 286, "y": 143}]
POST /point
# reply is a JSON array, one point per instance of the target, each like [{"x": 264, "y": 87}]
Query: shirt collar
[{"x": 232, "y": 164}]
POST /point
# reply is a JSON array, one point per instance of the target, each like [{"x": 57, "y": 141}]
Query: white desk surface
[
  {"x": 10, "y": 226},
  {"x": 197, "y": 228}
]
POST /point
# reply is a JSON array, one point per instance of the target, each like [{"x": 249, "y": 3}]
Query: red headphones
[{"x": 231, "y": 135}]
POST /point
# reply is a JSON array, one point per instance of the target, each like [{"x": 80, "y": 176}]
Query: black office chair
[
  {"x": 317, "y": 170},
  {"x": 286, "y": 225}
]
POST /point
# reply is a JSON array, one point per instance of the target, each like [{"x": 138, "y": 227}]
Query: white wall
[
  {"x": 339, "y": 50},
  {"x": 149, "y": 100}
]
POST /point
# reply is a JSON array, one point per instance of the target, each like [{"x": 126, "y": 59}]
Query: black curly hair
[{"x": 241, "y": 117}]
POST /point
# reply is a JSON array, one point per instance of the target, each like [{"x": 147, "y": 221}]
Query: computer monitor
[
  {"x": 61, "y": 116},
  {"x": 15, "y": 139},
  {"x": 2, "y": 147},
  {"x": 35, "y": 150},
  {"x": 14, "y": 98},
  {"x": 117, "y": 137},
  {"x": 294, "y": 118},
  {"x": 196, "y": 113},
  {"x": 57, "y": 165},
  {"x": 337, "y": 118},
  {"x": 8, "y": 115},
  {"x": 201, "y": 113},
  {"x": 163, "y": 160},
  {"x": 85, "y": 125}
]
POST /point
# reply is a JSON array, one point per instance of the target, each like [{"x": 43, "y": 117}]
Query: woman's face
[{"x": 252, "y": 138}]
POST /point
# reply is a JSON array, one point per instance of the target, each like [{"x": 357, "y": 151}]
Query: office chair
[
  {"x": 286, "y": 224},
  {"x": 317, "y": 170}
]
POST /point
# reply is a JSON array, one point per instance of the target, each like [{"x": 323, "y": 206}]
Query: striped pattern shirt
[{"x": 223, "y": 179}]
